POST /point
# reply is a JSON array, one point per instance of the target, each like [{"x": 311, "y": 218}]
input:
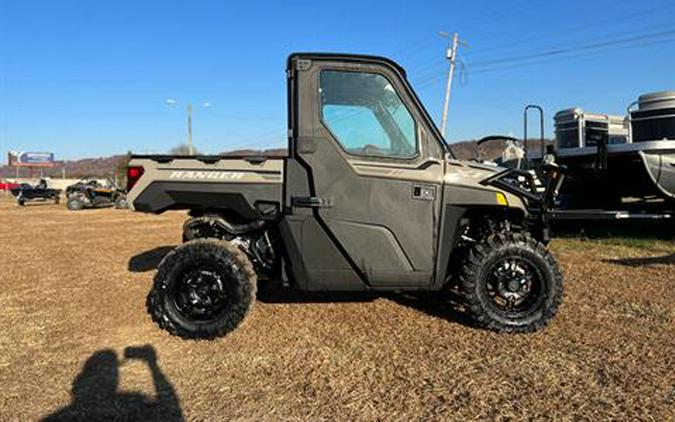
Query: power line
[
  {"x": 549, "y": 55},
  {"x": 571, "y": 49},
  {"x": 422, "y": 87},
  {"x": 499, "y": 15},
  {"x": 577, "y": 29},
  {"x": 573, "y": 56}
]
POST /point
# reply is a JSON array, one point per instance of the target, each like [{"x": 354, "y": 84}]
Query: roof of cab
[{"x": 348, "y": 57}]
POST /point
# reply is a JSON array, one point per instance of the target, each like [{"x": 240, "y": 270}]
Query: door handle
[
  {"x": 311, "y": 202},
  {"x": 424, "y": 192}
]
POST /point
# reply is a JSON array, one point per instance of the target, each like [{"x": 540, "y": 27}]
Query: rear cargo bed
[{"x": 207, "y": 182}]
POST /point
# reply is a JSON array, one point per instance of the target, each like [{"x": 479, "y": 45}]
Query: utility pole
[
  {"x": 451, "y": 55},
  {"x": 188, "y": 106},
  {"x": 189, "y": 117}
]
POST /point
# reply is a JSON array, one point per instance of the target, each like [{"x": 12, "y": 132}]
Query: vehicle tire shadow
[
  {"x": 148, "y": 260},
  {"x": 643, "y": 261}
]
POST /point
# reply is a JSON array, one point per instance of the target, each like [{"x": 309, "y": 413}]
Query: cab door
[{"x": 364, "y": 180}]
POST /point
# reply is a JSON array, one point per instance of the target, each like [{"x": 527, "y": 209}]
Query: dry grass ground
[{"x": 70, "y": 305}]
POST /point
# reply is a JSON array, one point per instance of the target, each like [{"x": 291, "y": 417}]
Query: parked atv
[
  {"x": 370, "y": 198},
  {"x": 90, "y": 193},
  {"x": 39, "y": 192}
]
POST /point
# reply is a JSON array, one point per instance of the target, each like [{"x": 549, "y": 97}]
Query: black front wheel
[
  {"x": 203, "y": 289},
  {"x": 511, "y": 283},
  {"x": 74, "y": 203}
]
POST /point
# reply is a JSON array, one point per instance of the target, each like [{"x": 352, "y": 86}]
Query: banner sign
[{"x": 31, "y": 159}]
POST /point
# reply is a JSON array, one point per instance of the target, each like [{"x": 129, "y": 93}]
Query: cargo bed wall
[{"x": 194, "y": 183}]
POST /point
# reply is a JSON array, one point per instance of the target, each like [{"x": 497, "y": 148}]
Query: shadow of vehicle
[
  {"x": 39, "y": 204},
  {"x": 95, "y": 395},
  {"x": 638, "y": 229},
  {"x": 274, "y": 293},
  {"x": 446, "y": 305},
  {"x": 644, "y": 261},
  {"x": 148, "y": 260}
]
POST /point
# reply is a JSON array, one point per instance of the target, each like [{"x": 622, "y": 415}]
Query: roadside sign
[{"x": 31, "y": 159}]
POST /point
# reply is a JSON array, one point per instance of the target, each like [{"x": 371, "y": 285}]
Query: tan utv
[{"x": 369, "y": 198}]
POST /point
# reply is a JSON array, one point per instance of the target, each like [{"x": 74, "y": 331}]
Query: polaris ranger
[{"x": 370, "y": 198}]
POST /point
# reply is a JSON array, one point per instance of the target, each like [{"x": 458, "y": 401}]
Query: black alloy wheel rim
[
  {"x": 201, "y": 294},
  {"x": 514, "y": 286}
]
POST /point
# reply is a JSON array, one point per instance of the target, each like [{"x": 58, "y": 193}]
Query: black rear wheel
[
  {"x": 511, "y": 283},
  {"x": 203, "y": 289},
  {"x": 121, "y": 202},
  {"x": 204, "y": 227}
]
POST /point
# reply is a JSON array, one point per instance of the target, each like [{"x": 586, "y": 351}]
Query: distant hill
[
  {"x": 106, "y": 166},
  {"x": 276, "y": 152},
  {"x": 99, "y": 167}
]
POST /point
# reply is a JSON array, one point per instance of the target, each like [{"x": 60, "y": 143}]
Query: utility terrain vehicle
[
  {"x": 90, "y": 193},
  {"x": 370, "y": 198}
]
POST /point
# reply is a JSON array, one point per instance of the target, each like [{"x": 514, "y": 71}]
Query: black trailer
[{"x": 39, "y": 192}]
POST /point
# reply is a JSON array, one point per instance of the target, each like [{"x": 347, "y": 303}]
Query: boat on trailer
[{"x": 613, "y": 157}]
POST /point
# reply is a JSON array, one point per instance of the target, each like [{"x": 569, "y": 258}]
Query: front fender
[{"x": 482, "y": 196}]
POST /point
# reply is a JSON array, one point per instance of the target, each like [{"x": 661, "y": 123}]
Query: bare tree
[{"x": 182, "y": 149}]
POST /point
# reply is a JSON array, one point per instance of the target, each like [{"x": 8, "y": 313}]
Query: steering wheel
[
  {"x": 497, "y": 137},
  {"x": 490, "y": 138}
]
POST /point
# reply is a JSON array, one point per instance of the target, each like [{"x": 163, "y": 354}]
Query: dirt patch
[{"x": 73, "y": 319}]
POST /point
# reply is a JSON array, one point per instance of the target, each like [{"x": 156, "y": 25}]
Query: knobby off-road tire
[
  {"x": 74, "y": 204},
  {"x": 203, "y": 289},
  {"x": 507, "y": 267},
  {"x": 204, "y": 227},
  {"x": 121, "y": 203}
]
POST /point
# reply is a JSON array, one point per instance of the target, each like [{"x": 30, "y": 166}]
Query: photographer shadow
[{"x": 95, "y": 395}]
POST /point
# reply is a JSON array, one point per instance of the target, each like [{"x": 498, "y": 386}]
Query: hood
[
  {"x": 459, "y": 172},
  {"x": 467, "y": 178}
]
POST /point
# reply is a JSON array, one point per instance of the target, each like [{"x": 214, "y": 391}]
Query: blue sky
[{"x": 87, "y": 79}]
